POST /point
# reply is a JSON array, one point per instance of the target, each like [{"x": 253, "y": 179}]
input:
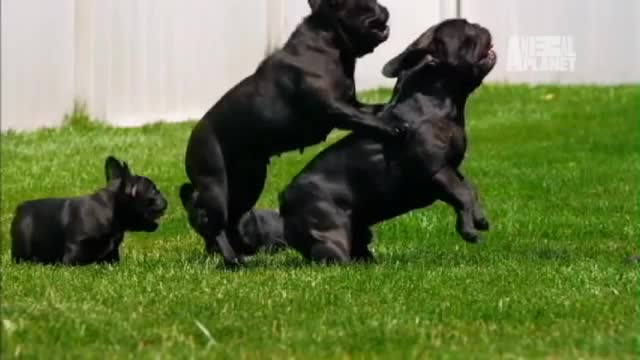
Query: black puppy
[
  {"x": 293, "y": 100},
  {"x": 87, "y": 229},
  {"x": 354, "y": 184},
  {"x": 260, "y": 228}
]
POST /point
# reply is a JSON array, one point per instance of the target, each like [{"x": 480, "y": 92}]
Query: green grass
[{"x": 557, "y": 168}]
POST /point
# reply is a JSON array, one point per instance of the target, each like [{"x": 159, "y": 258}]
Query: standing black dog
[
  {"x": 259, "y": 227},
  {"x": 87, "y": 229},
  {"x": 354, "y": 184},
  {"x": 293, "y": 100}
]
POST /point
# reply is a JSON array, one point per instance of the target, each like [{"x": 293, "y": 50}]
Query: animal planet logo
[{"x": 541, "y": 54}]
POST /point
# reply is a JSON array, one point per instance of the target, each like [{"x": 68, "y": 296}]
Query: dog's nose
[
  {"x": 384, "y": 13},
  {"x": 162, "y": 204}
]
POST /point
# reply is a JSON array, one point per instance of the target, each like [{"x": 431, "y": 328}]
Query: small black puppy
[
  {"x": 354, "y": 184},
  {"x": 293, "y": 100},
  {"x": 260, "y": 228},
  {"x": 87, "y": 229}
]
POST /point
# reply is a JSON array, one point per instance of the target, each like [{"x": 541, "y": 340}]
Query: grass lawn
[{"x": 557, "y": 168}]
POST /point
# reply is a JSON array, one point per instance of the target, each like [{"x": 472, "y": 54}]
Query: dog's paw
[
  {"x": 400, "y": 131},
  {"x": 234, "y": 263},
  {"x": 327, "y": 253},
  {"x": 469, "y": 235},
  {"x": 481, "y": 224},
  {"x": 366, "y": 258}
]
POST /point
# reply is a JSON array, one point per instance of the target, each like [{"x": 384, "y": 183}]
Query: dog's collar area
[{"x": 343, "y": 38}]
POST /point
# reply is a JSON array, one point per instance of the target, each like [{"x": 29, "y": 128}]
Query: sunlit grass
[{"x": 557, "y": 168}]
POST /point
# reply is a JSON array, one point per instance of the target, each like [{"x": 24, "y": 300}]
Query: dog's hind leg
[
  {"x": 314, "y": 226},
  {"x": 246, "y": 182},
  {"x": 111, "y": 258},
  {"x": 214, "y": 200},
  {"x": 330, "y": 246},
  {"x": 329, "y": 253},
  {"x": 323, "y": 246},
  {"x": 361, "y": 238},
  {"x": 74, "y": 254},
  {"x": 207, "y": 172}
]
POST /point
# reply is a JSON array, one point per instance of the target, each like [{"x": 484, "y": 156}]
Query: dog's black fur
[
  {"x": 354, "y": 184},
  {"x": 293, "y": 100},
  {"x": 87, "y": 229},
  {"x": 259, "y": 227}
]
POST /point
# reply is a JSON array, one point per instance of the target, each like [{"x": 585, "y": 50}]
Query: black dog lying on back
[
  {"x": 260, "y": 228},
  {"x": 87, "y": 229},
  {"x": 354, "y": 184},
  {"x": 295, "y": 98}
]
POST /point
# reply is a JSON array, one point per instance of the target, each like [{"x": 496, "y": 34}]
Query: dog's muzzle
[{"x": 379, "y": 24}]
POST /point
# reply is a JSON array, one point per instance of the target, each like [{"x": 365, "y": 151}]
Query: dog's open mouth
[
  {"x": 489, "y": 56},
  {"x": 156, "y": 214},
  {"x": 380, "y": 28}
]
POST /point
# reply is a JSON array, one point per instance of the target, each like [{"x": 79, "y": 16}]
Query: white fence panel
[
  {"x": 606, "y": 36},
  {"x": 146, "y": 60},
  {"x": 140, "y": 61},
  {"x": 37, "y": 62}
]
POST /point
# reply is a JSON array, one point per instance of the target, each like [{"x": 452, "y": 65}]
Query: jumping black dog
[
  {"x": 294, "y": 99},
  {"x": 259, "y": 227},
  {"x": 358, "y": 182},
  {"x": 87, "y": 229}
]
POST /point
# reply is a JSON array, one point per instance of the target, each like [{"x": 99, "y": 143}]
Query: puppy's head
[
  {"x": 455, "y": 49},
  {"x": 197, "y": 216},
  {"x": 139, "y": 203},
  {"x": 362, "y": 24}
]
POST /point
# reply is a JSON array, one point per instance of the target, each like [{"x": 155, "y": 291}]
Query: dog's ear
[
  {"x": 186, "y": 194},
  {"x": 315, "y": 5},
  {"x": 416, "y": 55},
  {"x": 114, "y": 169}
]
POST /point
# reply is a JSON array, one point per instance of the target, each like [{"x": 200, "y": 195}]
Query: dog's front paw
[
  {"x": 469, "y": 236},
  {"x": 468, "y": 233},
  {"x": 400, "y": 131},
  {"x": 481, "y": 224},
  {"x": 234, "y": 263}
]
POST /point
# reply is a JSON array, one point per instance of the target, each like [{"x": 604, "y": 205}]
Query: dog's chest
[
  {"x": 315, "y": 134},
  {"x": 394, "y": 192},
  {"x": 344, "y": 89},
  {"x": 397, "y": 203},
  {"x": 349, "y": 91},
  {"x": 457, "y": 147}
]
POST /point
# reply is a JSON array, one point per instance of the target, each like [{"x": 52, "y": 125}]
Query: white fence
[{"x": 139, "y": 61}]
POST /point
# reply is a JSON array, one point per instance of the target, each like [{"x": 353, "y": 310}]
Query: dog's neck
[
  {"x": 436, "y": 95},
  {"x": 119, "y": 220},
  {"x": 332, "y": 35},
  {"x": 106, "y": 198}
]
